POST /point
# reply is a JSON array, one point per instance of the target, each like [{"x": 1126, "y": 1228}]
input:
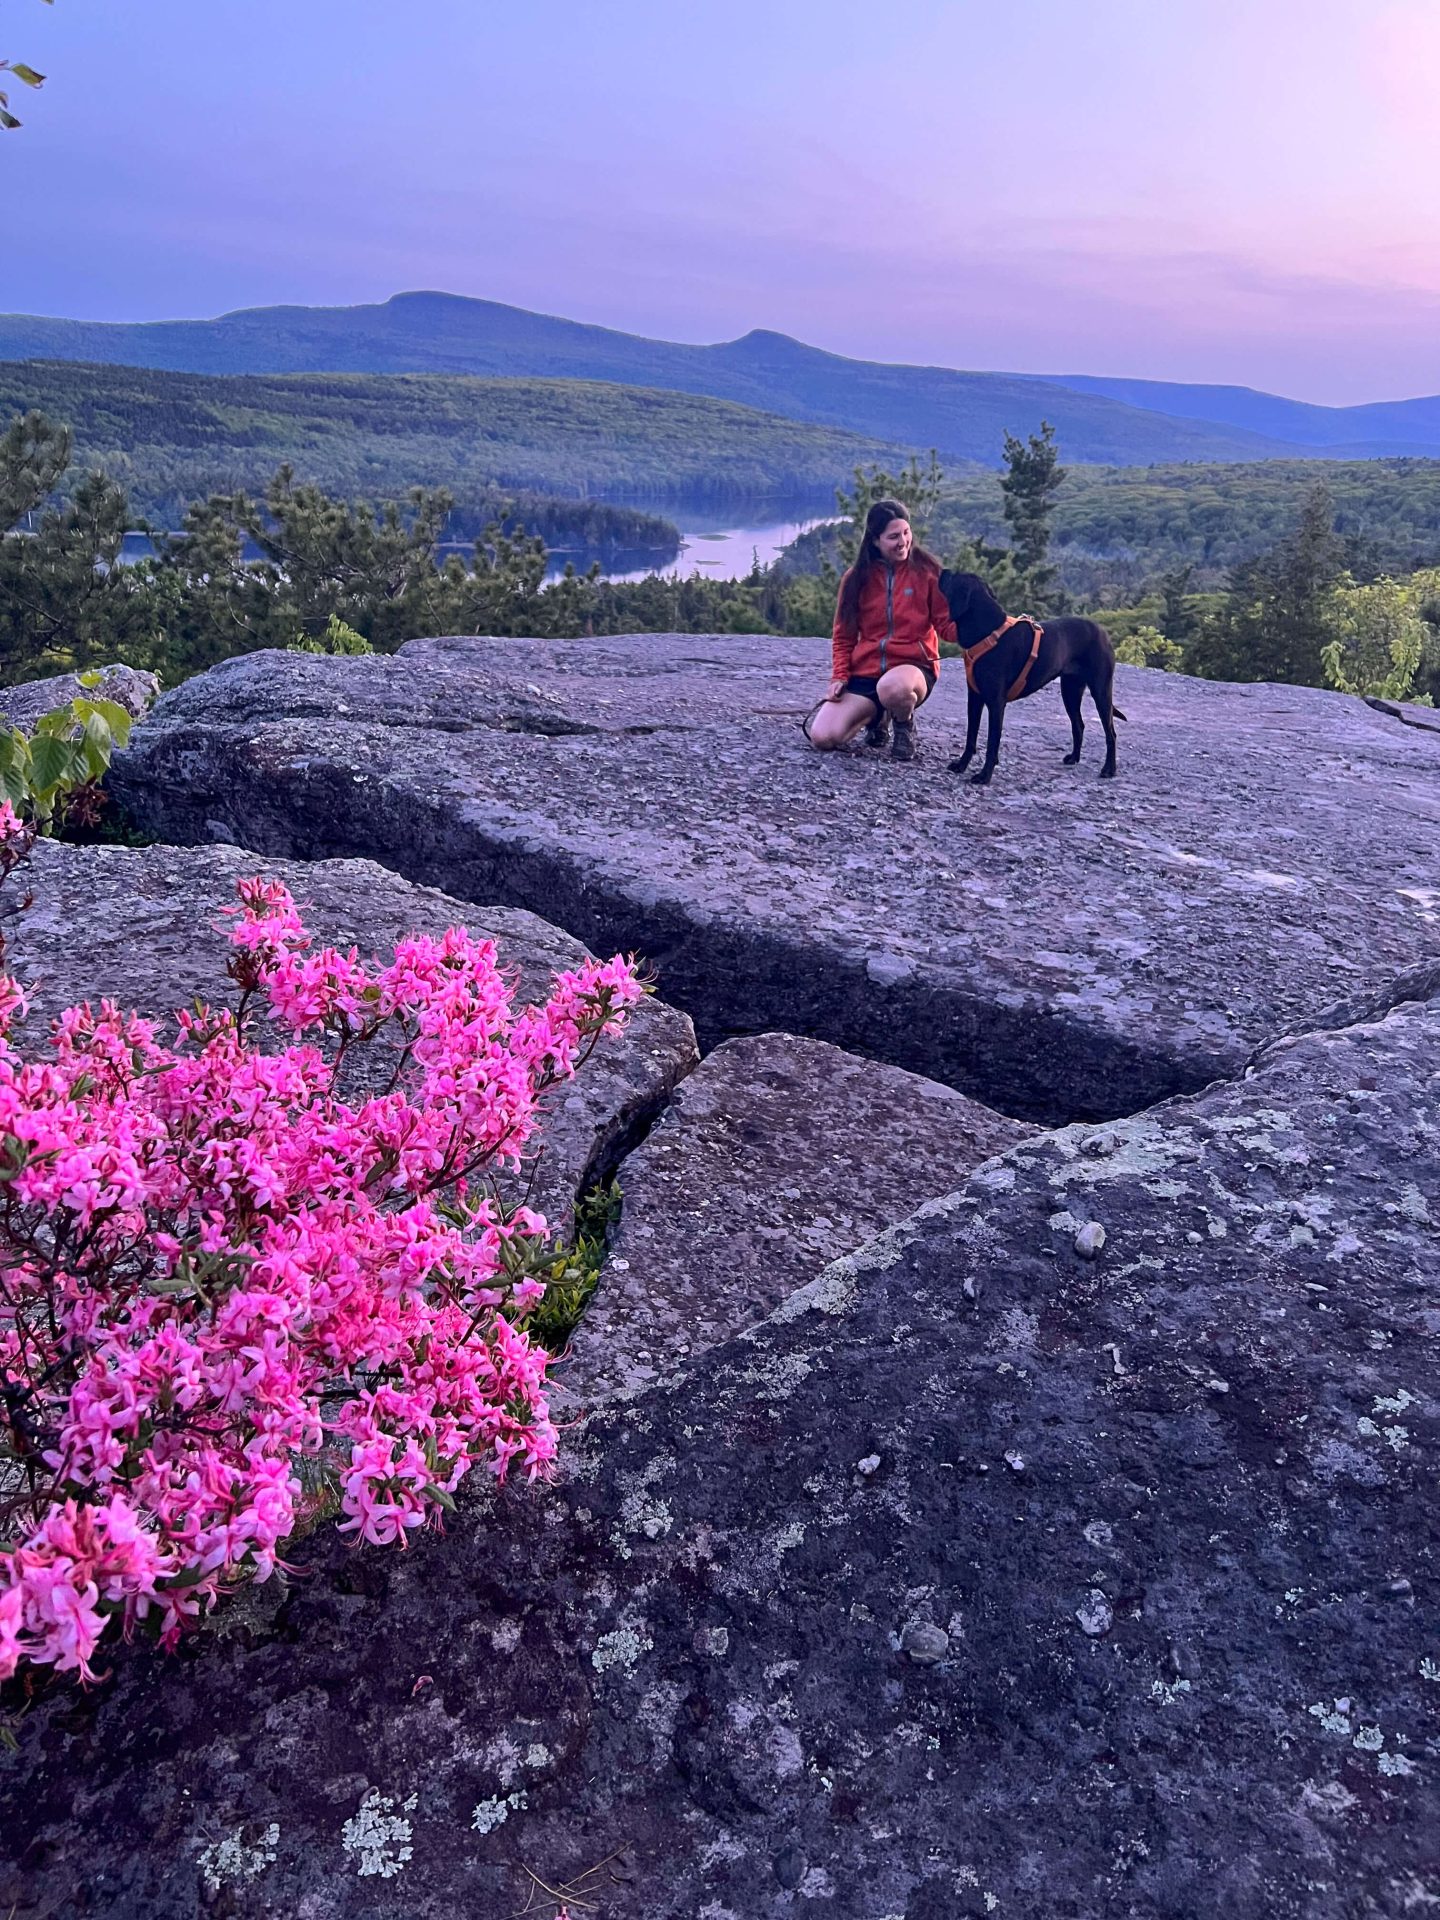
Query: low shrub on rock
[{"x": 233, "y": 1299}]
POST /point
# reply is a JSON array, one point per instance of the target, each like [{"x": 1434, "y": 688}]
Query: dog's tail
[{"x": 1118, "y": 714}]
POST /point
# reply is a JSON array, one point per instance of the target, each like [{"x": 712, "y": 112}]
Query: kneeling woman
[{"x": 889, "y": 621}]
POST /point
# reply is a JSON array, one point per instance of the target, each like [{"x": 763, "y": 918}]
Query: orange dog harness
[{"x": 992, "y": 640}]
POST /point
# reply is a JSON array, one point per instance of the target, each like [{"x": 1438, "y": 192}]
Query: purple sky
[{"x": 1227, "y": 190}]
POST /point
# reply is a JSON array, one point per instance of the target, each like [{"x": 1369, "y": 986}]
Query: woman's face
[{"x": 894, "y": 543}]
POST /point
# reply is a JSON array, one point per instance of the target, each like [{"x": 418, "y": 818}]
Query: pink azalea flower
[{"x": 220, "y": 1274}]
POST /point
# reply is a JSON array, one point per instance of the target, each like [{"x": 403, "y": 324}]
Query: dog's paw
[
  {"x": 1107, "y": 773},
  {"x": 1071, "y": 760},
  {"x": 979, "y": 780},
  {"x": 959, "y": 764}
]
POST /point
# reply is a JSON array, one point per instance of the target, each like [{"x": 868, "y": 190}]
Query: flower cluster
[{"x": 235, "y": 1292}]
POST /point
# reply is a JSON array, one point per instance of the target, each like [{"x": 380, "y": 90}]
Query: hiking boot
[
  {"x": 904, "y": 745},
  {"x": 877, "y": 734}
]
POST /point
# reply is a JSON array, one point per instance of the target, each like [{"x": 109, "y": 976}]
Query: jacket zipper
[{"x": 889, "y": 613}]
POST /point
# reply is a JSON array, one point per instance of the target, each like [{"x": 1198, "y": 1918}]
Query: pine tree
[
  {"x": 1279, "y": 612},
  {"x": 1030, "y": 482}
]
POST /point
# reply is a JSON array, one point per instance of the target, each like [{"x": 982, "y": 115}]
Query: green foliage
[
  {"x": 1146, "y": 646},
  {"x": 1378, "y": 638},
  {"x": 1426, "y": 588},
  {"x": 571, "y": 1273},
  {"x": 336, "y": 639},
  {"x": 1278, "y": 613},
  {"x": 34, "y": 453},
  {"x": 27, "y": 76},
  {"x": 69, "y": 750},
  {"x": 65, "y": 599}
]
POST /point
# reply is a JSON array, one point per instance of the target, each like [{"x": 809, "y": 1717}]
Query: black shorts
[{"x": 866, "y": 683}]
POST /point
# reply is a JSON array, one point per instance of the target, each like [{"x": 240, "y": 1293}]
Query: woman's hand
[{"x": 837, "y": 687}]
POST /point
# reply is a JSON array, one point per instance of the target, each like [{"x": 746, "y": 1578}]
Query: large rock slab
[
  {"x": 981, "y": 1579},
  {"x": 143, "y": 926},
  {"x": 1056, "y": 947},
  {"x": 775, "y": 1157}
]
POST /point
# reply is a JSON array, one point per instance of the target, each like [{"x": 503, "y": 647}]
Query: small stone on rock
[
  {"x": 1095, "y": 1614},
  {"x": 1090, "y": 1239},
  {"x": 1015, "y": 1462},
  {"x": 868, "y": 1465},
  {"x": 925, "y": 1643},
  {"x": 789, "y": 1866}
]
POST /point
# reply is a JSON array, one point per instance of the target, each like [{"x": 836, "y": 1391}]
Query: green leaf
[
  {"x": 52, "y": 763},
  {"x": 111, "y": 712},
  {"x": 7, "y": 120},
  {"x": 27, "y": 74},
  {"x": 97, "y": 745}
]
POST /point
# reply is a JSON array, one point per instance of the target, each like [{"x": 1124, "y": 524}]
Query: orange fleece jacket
[{"x": 903, "y": 619}]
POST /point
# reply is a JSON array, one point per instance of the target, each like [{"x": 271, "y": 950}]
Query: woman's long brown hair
[{"x": 876, "y": 521}]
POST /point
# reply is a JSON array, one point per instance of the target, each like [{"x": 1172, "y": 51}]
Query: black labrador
[{"x": 1078, "y": 651}]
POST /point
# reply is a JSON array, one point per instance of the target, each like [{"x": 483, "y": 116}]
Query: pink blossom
[{"x": 228, "y": 1294}]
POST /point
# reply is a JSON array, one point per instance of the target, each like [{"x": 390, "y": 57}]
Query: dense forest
[
  {"x": 537, "y": 453},
  {"x": 170, "y": 438},
  {"x": 1117, "y": 529},
  {"x": 1120, "y": 526}
]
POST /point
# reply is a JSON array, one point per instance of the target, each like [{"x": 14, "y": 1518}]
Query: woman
[{"x": 889, "y": 621}]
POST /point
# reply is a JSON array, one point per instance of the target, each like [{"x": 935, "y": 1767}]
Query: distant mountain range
[
  {"x": 1383, "y": 428},
  {"x": 964, "y": 415}
]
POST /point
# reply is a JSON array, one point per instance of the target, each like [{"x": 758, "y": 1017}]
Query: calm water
[{"x": 721, "y": 543}]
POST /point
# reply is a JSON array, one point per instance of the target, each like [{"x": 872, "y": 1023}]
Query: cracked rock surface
[
  {"x": 1168, "y": 1515},
  {"x": 1055, "y": 946},
  {"x": 144, "y": 926},
  {"x": 775, "y": 1157}
]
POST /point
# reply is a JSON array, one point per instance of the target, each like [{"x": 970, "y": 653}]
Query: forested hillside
[
  {"x": 170, "y": 438},
  {"x": 964, "y": 415},
  {"x": 1125, "y": 525}
]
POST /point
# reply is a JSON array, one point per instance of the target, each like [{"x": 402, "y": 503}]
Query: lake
[{"x": 719, "y": 542}]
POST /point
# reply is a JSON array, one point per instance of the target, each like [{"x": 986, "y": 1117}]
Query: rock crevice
[{"x": 1056, "y": 948}]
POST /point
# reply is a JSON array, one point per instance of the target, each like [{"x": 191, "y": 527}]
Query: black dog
[{"x": 1078, "y": 651}]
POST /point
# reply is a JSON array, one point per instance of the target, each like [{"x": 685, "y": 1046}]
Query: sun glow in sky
[{"x": 1244, "y": 191}]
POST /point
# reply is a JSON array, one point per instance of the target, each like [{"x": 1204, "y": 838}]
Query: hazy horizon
[{"x": 1228, "y": 194}]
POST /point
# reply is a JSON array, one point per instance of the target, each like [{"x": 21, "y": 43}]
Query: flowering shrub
[{"x": 232, "y": 1299}]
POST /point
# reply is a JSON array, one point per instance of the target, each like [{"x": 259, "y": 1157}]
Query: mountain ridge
[{"x": 964, "y": 414}]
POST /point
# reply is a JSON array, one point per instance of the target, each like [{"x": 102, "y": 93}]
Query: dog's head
[
  {"x": 973, "y": 607},
  {"x": 959, "y": 590}
]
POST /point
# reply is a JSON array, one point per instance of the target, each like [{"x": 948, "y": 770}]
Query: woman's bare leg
[
  {"x": 901, "y": 691},
  {"x": 836, "y": 721}
]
